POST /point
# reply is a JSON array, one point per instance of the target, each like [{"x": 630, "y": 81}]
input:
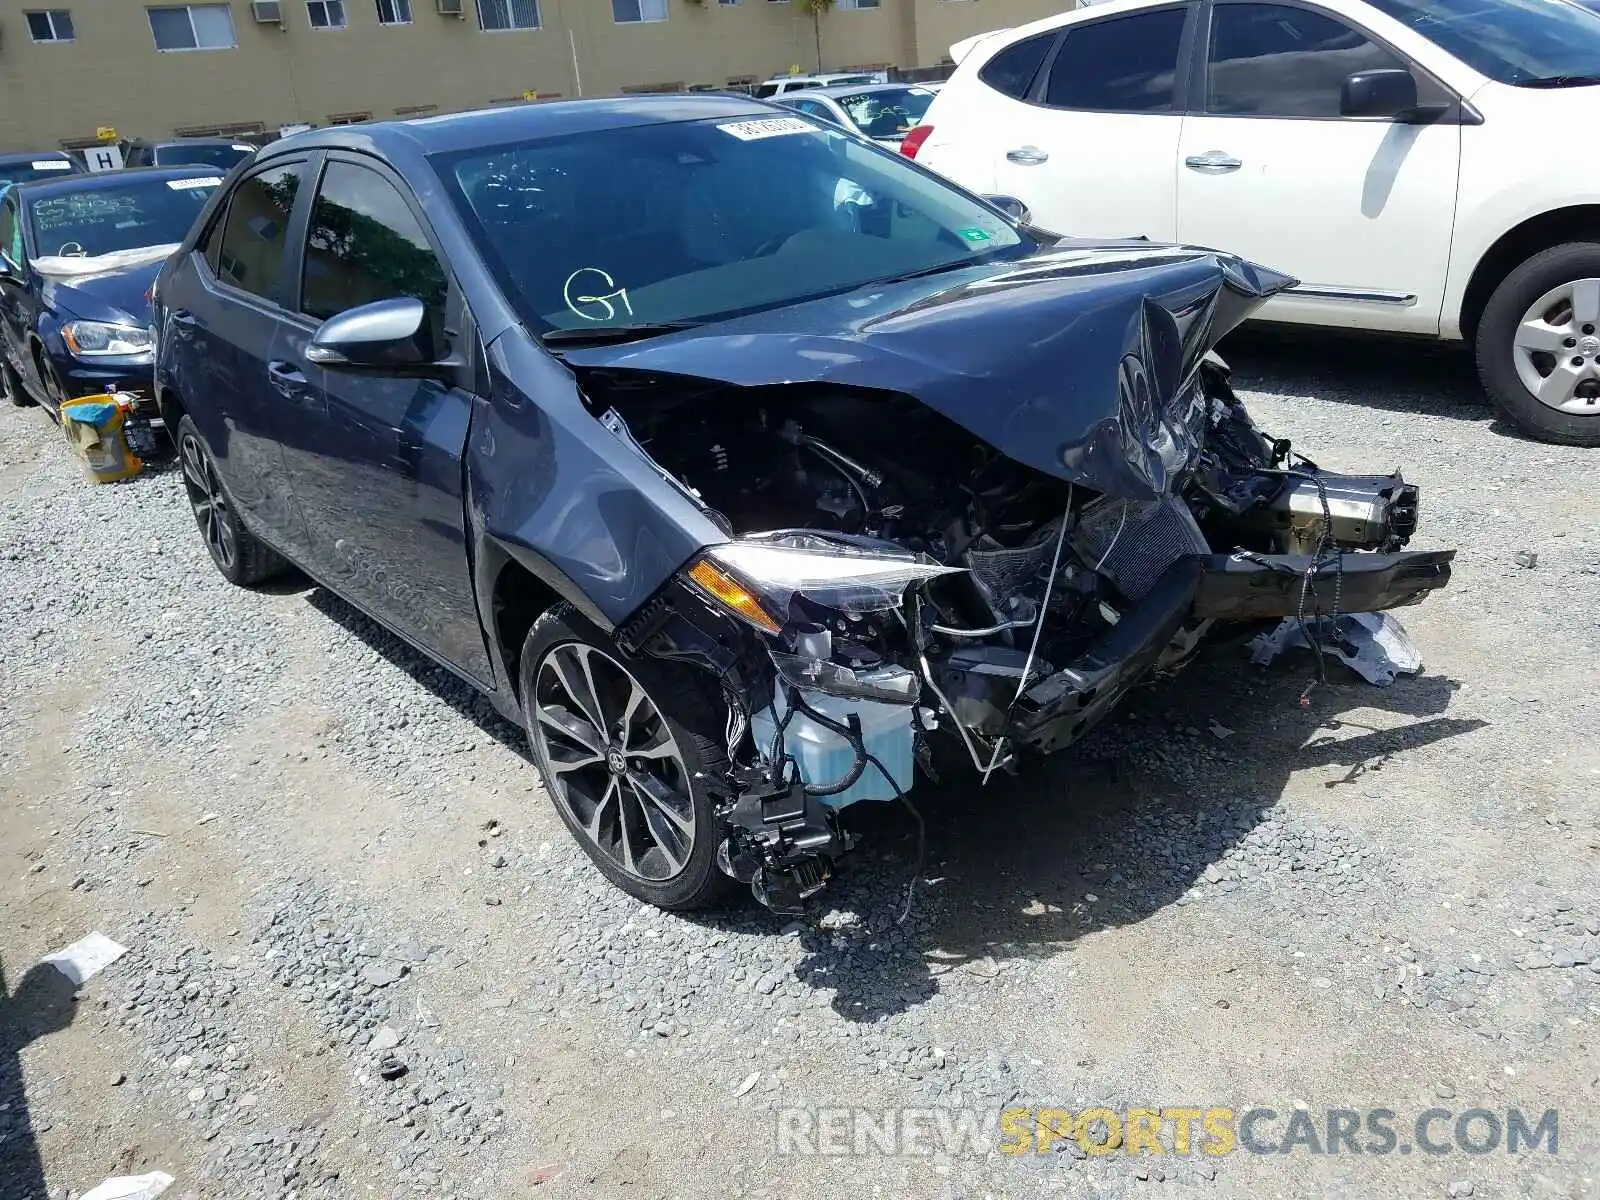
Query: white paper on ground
[
  {"x": 130, "y": 1187},
  {"x": 83, "y": 960}
]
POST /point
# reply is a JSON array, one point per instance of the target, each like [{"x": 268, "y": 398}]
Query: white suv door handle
[
  {"x": 1027, "y": 156},
  {"x": 1213, "y": 162}
]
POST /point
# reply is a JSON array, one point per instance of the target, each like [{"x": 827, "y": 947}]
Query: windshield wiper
[
  {"x": 1559, "y": 81},
  {"x": 601, "y": 335},
  {"x": 939, "y": 269}
]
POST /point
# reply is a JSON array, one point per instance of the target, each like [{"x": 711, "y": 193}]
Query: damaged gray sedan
[{"x": 752, "y": 468}]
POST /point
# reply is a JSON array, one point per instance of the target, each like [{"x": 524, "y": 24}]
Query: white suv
[{"x": 1411, "y": 162}]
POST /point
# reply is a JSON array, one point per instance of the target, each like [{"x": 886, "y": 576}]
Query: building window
[
  {"x": 192, "y": 27},
  {"x": 632, "y": 12},
  {"x": 494, "y": 15},
  {"x": 349, "y": 118},
  {"x": 728, "y": 2},
  {"x": 415, "y": 110},
  {"x": 848, "y": 5},
  {"x": 52, "y": 26},
  {"x": 325, "y": 14},
  {"x": 394, "y": 12}
]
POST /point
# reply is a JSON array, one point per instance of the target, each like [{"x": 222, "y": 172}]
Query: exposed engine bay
[{"x": 993, "y": 608}]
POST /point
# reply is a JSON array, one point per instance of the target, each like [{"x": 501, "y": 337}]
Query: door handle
[
  {"x": 286, "y": 379},
  {"x": 1027, "y": 156},
  {"x": 1212, "y": 162}
]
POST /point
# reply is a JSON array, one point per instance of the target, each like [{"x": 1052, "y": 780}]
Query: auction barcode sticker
[
  {"x": 51, "y": 164},
  {"x": 180, "y": 185},
  {"x": 749, "y": 131}
]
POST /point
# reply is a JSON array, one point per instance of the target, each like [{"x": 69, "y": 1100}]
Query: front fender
[{"x": 550, "y": 487}]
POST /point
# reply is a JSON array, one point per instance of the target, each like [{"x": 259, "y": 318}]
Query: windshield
[
  {"x": 214, "y": 154},
  {"x": 27, "y": 172},
  {"x": 655, "y": 224},
  {"x": 886, "y": 114},
  {"x": 103, "y": 220},
  {"x": 1531, "y": 43}
]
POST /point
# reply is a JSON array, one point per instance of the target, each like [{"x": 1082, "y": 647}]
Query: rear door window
[
  {"x": 1271, "y": 60},
  {"x": 250, "y": 254},
  {"x": 1010, "y": 72},
  {"x": 1127, "y": 65}
]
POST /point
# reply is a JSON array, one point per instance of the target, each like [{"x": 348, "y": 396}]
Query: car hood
[
  {"x": 1079, "y": 360},
  {"x": 115, "y": 296}
]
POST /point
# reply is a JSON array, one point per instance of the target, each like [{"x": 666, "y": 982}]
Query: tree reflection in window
[
  {"x": 363, "y": 245},
  {"x": 251, "y": 254}
]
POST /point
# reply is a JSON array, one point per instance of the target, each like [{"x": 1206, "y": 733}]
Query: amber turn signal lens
[{"x": 732, "y": 595}]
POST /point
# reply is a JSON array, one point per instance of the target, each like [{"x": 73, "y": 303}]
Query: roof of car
[
  {"x": 40, "y": 188},
  {"x": 494, "y": 126}
]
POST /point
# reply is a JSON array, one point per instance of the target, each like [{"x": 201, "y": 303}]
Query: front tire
[
  {"x": 242, "y": 558},
  {"x": 624, "y": 746},
  {"x": 1538, "y": 345}
]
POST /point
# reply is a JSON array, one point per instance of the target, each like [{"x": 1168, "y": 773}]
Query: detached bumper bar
[
  {"x": 1267, "y": 586},
  {"x": 1061, "y": 709}
]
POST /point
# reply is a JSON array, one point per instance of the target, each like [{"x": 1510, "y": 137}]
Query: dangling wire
[{"x": 1038, "y": 629}]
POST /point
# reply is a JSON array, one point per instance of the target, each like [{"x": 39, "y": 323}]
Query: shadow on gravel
[
  {"x": 40, "y": 1005},
  {"x": 1394, "y": 374},
  {"x": 1008, "y": 867},
  {"x": 465, "y": 699}
]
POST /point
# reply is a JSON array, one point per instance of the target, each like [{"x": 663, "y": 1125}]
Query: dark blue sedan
[
  {"x": 78, "y": 254},
  {"x": 741, "y": 460}
]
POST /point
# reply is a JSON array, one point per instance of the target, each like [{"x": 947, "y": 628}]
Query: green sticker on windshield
[{"x": 974, "y": 234}]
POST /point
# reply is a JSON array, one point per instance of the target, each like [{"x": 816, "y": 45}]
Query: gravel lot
[{"x": 366, "y": 960}]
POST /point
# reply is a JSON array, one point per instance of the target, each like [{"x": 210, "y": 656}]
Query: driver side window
[
  {"x": 364, "y": 244},
  {"x": 1271, "y": 60}
]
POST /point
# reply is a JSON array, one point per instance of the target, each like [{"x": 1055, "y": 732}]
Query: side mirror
[
  {"x": 387, "y": 336},
  {"x": 1012, "y": 207},
  {"x": 1391, "y": 92}
]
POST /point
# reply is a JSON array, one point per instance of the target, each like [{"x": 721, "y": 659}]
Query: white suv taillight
[{"x": 914, "y": 139}]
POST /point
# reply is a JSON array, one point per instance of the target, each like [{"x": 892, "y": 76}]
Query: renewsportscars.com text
[{"x": 1176, "y": 1129}]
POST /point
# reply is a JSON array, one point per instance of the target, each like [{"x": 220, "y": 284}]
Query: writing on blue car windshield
[
  {"x": 104, "y": 220},
  {"x": 661, "y": 224},
  {"x": 887, "y": 113}
]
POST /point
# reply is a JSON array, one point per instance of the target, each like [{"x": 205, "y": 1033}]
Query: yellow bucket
[{"x": 94, "y": 429}]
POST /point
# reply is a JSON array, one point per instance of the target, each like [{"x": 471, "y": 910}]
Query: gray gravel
[{"x": 366, "y": 958}]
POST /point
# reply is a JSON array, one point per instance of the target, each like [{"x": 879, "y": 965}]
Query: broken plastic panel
[{"x": 1373, "y": 645}]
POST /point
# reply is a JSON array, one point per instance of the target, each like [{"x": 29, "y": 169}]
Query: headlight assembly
[
  {"x": 756, "y": 578},
  {"x": 87, "y": 339}
]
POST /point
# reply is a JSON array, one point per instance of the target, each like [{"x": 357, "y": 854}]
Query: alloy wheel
[
  {"x": 612, "y": 761},
  {"x": 209, "y": 502},
  {"x": 1557, "y": 348}
]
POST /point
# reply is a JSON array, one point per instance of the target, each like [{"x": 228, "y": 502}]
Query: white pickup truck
[{"x": 1421, "y": 166}]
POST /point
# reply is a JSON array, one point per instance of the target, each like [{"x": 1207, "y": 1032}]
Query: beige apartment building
[{"x": 237, "y": 66}]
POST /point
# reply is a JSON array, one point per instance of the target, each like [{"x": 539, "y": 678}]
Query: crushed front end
[{"x": 903, "y": 586}]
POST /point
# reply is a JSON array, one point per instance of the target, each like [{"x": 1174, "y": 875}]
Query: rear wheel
[
  {"x": 624, "y": 746},
  {"x": 11, "y": 387},
  {"x": 1538, "y": 345},
  {"x": 242, "y": 558}
]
